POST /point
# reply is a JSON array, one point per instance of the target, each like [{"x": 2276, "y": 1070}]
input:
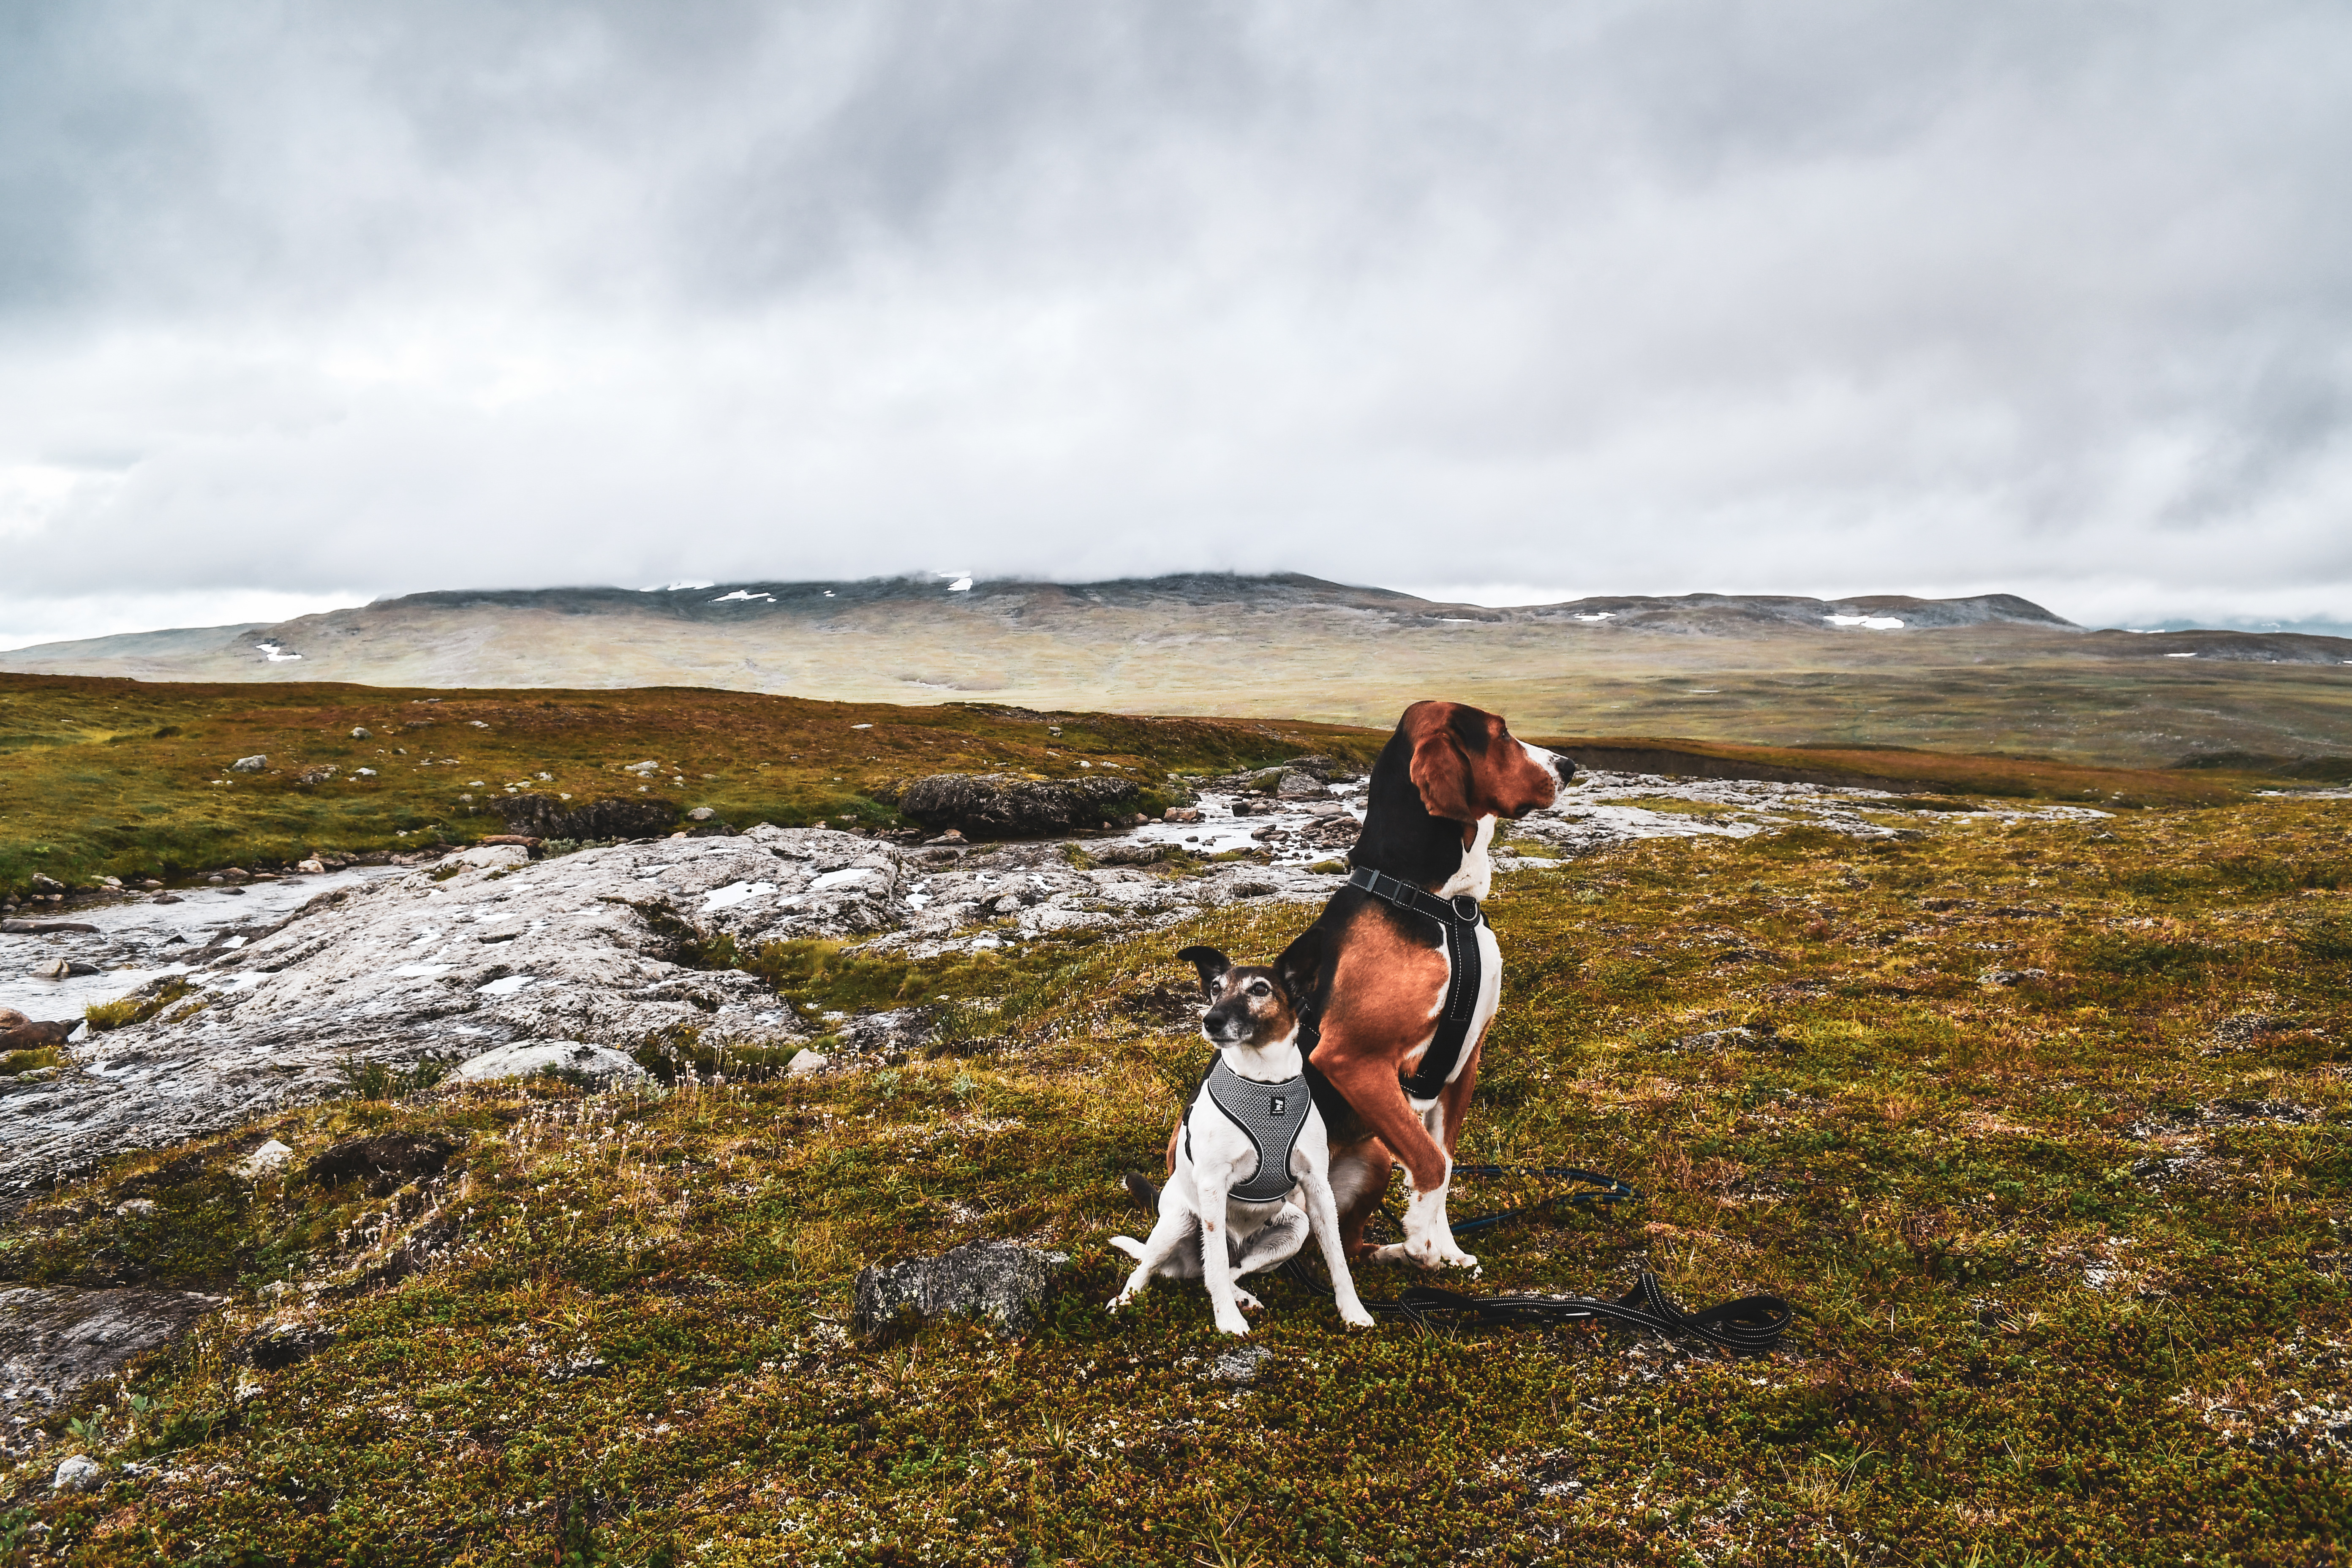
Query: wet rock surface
[{"x": 53, "y": 1342}]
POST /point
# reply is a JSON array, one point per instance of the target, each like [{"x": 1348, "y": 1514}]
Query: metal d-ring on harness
[{"x": 1459, "y": 919}]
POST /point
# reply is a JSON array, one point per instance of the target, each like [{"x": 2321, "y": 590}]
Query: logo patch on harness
[{"x": 1277, "y": 1103}]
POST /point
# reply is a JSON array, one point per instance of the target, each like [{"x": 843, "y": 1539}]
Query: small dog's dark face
[{"x": 1248, "y": 1005}]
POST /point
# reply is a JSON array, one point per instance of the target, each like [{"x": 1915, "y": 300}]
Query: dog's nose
[{"x": 1564, "y": 766}]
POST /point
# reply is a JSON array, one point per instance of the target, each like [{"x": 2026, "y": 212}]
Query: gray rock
[
  {"x": 1297, "y": 786},
  {"x": 598, "y": 1065},
  {"x": 361, "y": 732},
  {"x": 617, "y": 817},
  {"x": 77, "y": 1473},
  {"x": 1000, "y": 806},
  {"x": 700, "y": 814},
  {"x": 1002, "y": 1282},
  {"x": 249, "y": 765},
  {"x": 55, "y": 1342},
  {"x": 804, "y": 1063},
  {"x": 1239, "y": 1365},
  {"x": 269, "y": 1157}
]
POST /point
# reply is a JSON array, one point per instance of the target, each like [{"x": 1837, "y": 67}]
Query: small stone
[
  {"x": 249, "y": 765},
  {"x": 700, "y": 814},
  {"x": 42, "y": 884},
  {"x": 319, "y": 774},
  {"x": 269, "y": 1157},
  {"x": 77, "y": 1473},
  {"x": 311, "y": 868},
  {"x": 804, "y": 1063},
  {"x": 1182, "y": 814},
  {"x": 361, "y": 732}
]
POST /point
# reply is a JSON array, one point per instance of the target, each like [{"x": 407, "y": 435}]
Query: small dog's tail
[{"x": 1146, "y": 1195}]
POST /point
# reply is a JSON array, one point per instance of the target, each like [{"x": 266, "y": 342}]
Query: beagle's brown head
[
  {"x": 1467, "y": 764},
  {"x": 1251, "y": 1004}
]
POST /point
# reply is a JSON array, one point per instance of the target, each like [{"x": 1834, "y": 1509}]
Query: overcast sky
[{"x": 305, "y": 304}]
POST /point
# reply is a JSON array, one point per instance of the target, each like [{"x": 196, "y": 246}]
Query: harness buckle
[{"x": 1465, "y": 908}]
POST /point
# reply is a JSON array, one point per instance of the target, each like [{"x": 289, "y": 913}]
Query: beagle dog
[
  {"x": 1410, "y": 971},
  {"x": 1251, "y": 1141}
]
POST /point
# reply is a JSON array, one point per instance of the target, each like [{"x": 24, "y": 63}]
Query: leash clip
[{"x": 1465, "y": 908}]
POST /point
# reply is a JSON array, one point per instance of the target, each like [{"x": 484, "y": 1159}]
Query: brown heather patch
[{"x": 2074, "y": 1277}]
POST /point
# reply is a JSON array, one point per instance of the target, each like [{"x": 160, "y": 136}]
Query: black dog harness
[
  {"x": 1459, "y": 918},
  {"x": 1270, "y": 1115}
]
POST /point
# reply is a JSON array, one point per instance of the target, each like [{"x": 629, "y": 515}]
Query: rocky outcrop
[
  {"x": 1001, "y": 805},
  {"x": 55, "y": 1342},
  {"x": 616, "y": 817},
  {"x": 1002, "y": 1283}
]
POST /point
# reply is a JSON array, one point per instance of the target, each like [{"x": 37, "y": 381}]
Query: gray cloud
[{"x": 335, "y": 301}]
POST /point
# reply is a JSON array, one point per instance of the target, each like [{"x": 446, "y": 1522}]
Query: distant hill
[{"x": 1882, "y": 669}]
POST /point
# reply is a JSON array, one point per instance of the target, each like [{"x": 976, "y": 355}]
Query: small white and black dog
[{"x": 1251, "y": 1139}]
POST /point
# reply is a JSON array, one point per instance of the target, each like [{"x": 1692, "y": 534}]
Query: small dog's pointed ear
[
  {"x": 1300, "y": 965},
  {"x": 1212, "y": 964}
]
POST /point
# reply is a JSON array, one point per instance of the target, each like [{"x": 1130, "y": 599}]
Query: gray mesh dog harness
[{"x": 1270, "y": 1115}]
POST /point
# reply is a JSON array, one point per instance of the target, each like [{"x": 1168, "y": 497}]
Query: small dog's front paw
[
  {"x": 1130, "y": 1246},
  {"x": 1247, "y": 1302},
  {"x": 1355, "y": 1317},
  {"x": 1235, "y": 1326}
]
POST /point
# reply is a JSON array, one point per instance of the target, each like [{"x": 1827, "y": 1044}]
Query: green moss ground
[{"x": 2071, "y": 1251}]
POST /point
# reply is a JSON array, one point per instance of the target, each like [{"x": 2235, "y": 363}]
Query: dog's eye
[{"x": 1260, "y": 988}]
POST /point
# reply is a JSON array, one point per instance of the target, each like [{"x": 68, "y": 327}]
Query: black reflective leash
[
  {"x": 1752, "y": 1325},
  {"x": 1610, "y": 1190}
]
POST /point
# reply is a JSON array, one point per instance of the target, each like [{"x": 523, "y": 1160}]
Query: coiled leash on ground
[{"x": 1752, "y": 1325}]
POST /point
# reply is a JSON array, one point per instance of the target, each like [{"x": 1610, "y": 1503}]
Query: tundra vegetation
[
  {"x": 135, "y": 779},
  {"x": 2042, "y": 1125},
  {"x": 125, "y": 778}
]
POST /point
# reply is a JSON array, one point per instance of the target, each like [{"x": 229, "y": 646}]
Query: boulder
[
  {"x": 64, "y": 968},
  {"x": 12, "y": 1019},
  {"x": 545, "y": 816},
  {"x": 269, "y": 1157},
  {"x": 1001, "y": 1282},
  {"x": 1001, "y": 805},
  {"x": 32, "y": 1036},
  {"x": 53, "y": 1343},
  {"x": 599, "y": 1065},
  {"x": 319, "y": 774},
  {"x": 1297, "y": 786},
  {"x": 77, "y": 1473},
  {"x": 361, "y": 732},
  {"x": 249, "y": 765}
]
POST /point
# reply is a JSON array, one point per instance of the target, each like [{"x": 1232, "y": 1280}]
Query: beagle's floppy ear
[
  {"x": 1441, "y": 771},
  {"x": 1299, "y": 965},
  {"x": 1212, "y": 964}
]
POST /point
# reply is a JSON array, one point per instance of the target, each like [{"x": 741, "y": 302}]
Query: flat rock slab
[
  {"x": 53, "y": 1342},
  {"x": 1001, "y": 1282},
  {"x": 573, "y": 1060}
]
